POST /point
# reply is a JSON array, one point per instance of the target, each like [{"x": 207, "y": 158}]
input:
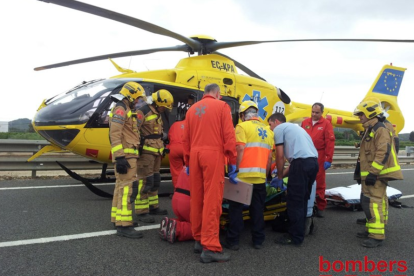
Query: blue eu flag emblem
[{"x": 389, "y": 83}]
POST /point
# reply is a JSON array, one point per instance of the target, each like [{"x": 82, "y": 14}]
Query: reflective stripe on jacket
[{"x": 150, "y": 124}]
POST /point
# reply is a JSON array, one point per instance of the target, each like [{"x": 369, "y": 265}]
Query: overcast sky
[{"x": 339, "y": 74}]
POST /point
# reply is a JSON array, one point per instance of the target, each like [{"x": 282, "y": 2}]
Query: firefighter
[
  {"x": 149, "y": 122},
  {"x": 322, "y": 134},
  {"x": 378, "y": 165},
  {"x": 390, "y": 127},
  {"x": 124, "y": 147},
  {"x": 254, "y": 142},
  {"x": 208, "y": 138}
]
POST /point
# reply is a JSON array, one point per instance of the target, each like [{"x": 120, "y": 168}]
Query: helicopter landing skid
[{"x": 88, "y": 182}]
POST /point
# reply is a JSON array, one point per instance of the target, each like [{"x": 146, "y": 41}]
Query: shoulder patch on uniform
[{"x": 120, "y": 112}]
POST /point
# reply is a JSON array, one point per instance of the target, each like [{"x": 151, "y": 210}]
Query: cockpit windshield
[{"x": 77, "y": 105}]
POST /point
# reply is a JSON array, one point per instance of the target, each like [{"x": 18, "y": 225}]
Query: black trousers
[
  {"x": 256, "y": 209},
  {"x": 302, "y": 174}
]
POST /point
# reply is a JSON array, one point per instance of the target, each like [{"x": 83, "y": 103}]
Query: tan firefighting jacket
[
  {"x": 123, "y": 132},
  {"x": 149, "y": 124},
  {"x": 377, "y": 152}
]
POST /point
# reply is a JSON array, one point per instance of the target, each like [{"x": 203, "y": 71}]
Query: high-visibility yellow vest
[{"x": 258, "y": 142}]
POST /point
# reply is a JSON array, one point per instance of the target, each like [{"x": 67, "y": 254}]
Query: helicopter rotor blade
[
  {"x": 241, "y": 66},
  {"x": 80, "y": 6},
  {"x": 221, "y": 45},
  {"x": 183, "y": 48}
]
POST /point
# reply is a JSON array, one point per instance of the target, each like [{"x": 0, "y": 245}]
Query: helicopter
[{"x": 77, "y": 120}]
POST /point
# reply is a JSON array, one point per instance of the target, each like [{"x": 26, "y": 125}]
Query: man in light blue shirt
[{"x": 294, "y": 144}]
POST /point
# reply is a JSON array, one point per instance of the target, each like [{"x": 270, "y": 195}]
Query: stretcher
[
  {"x": 349, "y": 197},
  {"x": 275, "y": 204}
]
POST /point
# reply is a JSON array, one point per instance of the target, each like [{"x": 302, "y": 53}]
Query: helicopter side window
[{"x": 76, "y": 106}]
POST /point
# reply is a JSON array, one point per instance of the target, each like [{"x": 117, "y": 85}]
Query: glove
[
  {"x": 122, "y": 165},
  {"x": 232, "y": 174},
  {"x": 187, "y": 170},
  {"x": 277, "y": 183},
  {"x": 326, "y": 165},
  {"x": 371, "y": 179}
]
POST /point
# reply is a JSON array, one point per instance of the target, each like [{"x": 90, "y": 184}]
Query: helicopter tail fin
[{"x": 386, "y": 88}]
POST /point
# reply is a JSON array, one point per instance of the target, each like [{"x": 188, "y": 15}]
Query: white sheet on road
[{"x": 351, "y": 194}]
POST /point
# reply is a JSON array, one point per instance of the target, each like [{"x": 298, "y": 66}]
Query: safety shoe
[
  {"x": 361, "y": 221},
  {"x": 172, "y": 224},
  {"x": 198, "y": 248},
  {"x": 287, "y": 240},
  {"x": 128, "y": 232},
  {"x": 234, "y": 247},
  {"x": 163, "y": 229},
  {"x": 371, "y": 243},
  {"x": 319, "y": 213},
  {"x": 146, "y": 218},
  {"x": 362, "y": 235},
  {"x": 209, "y": 256},
  {"x": 158, "y": 211}
]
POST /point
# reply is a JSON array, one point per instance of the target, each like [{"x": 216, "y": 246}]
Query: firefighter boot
[
  {"x": 158, "y": 211},
  {"x": 146, "y": 218},
  {"x": 361, "y": 221},
  {"x": 371, "y": 243},
  {"x": 362, "y": 235},
  {"x": 134, "y": 224},
  {"x": 128, "y": 232},
  {"x": 209, "y": 256}
]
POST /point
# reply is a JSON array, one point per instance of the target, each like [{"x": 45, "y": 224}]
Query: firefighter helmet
[
  {"x": 163, "y": 98},
  {"x": 370, "y": 107},
  {"x": 132, "y": 91},
  {"x": 246, "y": 105}
]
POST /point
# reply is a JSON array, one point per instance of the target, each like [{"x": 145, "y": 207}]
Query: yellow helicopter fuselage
[{"x": 191, "y": 75}]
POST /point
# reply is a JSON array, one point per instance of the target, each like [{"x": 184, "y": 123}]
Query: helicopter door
[{"x": 234, "y": 107}]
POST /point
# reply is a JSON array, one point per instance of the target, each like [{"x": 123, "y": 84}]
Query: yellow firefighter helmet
[
  {"x": 132, "y": 90},
  {"x": 371, "y": 107},
  {"x": 163, "y": 98}
]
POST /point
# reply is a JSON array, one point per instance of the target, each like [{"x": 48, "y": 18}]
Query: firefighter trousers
[
  {"x": 149, "y": 180},
  {"x": 125, "y": 192},
  {"x": 374, "y": 203}
]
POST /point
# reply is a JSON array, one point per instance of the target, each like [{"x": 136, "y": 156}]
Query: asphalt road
[{"x": 58, "y": 227}]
